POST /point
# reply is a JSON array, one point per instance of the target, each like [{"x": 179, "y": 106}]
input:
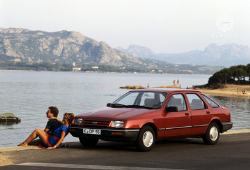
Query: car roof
[{"x": 167, "y": 90}]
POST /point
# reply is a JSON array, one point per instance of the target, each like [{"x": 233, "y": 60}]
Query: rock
[{"x": 9, "y": 117}]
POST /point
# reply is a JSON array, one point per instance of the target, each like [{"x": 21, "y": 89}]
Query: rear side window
[
  {"x": 195, "y": 102},
  {"x": 210, "y": 102}
]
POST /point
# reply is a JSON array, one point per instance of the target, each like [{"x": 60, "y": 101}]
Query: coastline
[
  {"x": 104, "y": 72},
  {"x": 230, "y": 90}
]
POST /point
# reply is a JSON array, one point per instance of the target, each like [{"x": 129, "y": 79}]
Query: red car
[{"x": 146, "y": 115}]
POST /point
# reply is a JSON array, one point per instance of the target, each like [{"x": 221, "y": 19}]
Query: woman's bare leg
[{"x": 38, "y": 132}]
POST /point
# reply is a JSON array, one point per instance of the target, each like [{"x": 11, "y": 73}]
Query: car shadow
[{"x": 194, "y": 141}]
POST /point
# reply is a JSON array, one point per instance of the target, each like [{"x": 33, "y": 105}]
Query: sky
[{"x": 164, "y": 26}]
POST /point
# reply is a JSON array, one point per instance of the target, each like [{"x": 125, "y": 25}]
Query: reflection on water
[
  {"x": 239, "y": 109},
  {"x": 8, "y": 123}
]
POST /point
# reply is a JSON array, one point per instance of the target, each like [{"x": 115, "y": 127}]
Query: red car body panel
[{"x": 166, "y": 124}]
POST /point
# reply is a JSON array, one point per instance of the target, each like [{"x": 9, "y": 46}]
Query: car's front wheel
[
  {"x": 212, "y": 135},
  {"x": 146, "y": 139},
  {"x": 88, "y": 142}
]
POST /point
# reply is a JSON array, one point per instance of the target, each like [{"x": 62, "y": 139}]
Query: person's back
[{"x": 52, "y": 125}]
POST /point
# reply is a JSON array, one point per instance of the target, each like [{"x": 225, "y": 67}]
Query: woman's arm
[
  {"x": 57, "y": 120},
  {"x": 59, "y": 141}
]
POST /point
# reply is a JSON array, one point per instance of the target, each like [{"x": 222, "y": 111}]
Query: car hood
[{"x": 115, "y": 113}]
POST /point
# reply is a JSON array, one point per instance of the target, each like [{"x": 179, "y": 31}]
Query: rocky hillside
[
  {"x": 62, "y": 47},
  {"x": 137, "y": 51},
  {"x": 213, "y": 55}
]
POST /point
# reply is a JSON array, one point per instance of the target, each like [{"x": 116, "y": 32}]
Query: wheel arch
[
  {"x": 218, "y": 122},
  {"x": 152, "y": 125}
]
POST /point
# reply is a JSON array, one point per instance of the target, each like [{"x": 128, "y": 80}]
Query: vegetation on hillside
[
  {"x": 239, "y": 74},
  {"x": 87, "y": 67},
  {"x": 10, "y": 65}
]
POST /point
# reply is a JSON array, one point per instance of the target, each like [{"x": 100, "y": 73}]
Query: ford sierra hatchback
[{"x": 146, "y": 115}]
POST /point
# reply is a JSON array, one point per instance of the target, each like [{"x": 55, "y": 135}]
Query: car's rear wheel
[
  {"x": 146, "y": 139},
  {"x": 88, "y": 142},
  {"x": 212, "y": 135}
]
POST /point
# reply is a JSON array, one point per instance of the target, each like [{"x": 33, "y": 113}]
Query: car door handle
[
  {"x": 186, "y": 114},
  {"x": 207, "y": 112}
]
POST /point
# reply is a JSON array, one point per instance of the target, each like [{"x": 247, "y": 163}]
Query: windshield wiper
[
  {"x": 115, "y": 105},
  {"x": 138, "y": 106},
  {"x": 129, "y": 106}
]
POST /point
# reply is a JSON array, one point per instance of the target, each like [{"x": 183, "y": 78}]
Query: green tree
[
  {"x": 225, "y": 74},
  {"x": 248, "y": 72}
]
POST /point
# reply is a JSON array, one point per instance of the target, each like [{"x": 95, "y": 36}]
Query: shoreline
[
  {"x": 230, "y": 90},
  {"x": 104, "y": 72}
]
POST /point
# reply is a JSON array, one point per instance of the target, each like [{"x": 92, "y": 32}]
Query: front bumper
[
  {"x": 108, "y": 134},
  {"x": 226, "y": 126}
]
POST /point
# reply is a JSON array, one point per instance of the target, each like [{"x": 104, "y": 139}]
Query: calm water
[{"x": 29, "y": 94}]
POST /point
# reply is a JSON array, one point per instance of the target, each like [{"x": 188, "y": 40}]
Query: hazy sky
[{"x": 164, "y": 26}]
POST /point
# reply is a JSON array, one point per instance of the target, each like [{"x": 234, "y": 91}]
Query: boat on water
[{"x": 9, "y": 117}]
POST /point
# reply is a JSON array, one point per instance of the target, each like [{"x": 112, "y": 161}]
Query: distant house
[
  {"x": 95, "y": 67},
  {"x": 75, "y": 69},
  {"x": 16, "y": 60}
]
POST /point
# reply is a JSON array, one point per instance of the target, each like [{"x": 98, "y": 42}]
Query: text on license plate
[{"x": 92, "y": 131}]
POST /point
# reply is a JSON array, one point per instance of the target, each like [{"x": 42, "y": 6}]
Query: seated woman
[{"x": 52, "y": 141}]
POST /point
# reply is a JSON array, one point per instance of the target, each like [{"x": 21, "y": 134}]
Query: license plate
[{"x": 92, "y": 131}]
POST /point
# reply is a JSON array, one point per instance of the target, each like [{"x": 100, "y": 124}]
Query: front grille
[{"x": 96, "y": 123}]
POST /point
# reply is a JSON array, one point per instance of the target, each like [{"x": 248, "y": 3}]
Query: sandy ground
[{"x": 229, "y": 90}]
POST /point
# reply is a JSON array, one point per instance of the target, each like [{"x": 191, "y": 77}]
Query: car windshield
[{"x": 140, "y": 99}]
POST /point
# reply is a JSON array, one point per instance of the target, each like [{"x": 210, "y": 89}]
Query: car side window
[
  {"x": 210, "y": 102},
  {"x": 177, "y": 100},
  {"x": 151, "y": 99},
  {"x": 195, "y": 102}
]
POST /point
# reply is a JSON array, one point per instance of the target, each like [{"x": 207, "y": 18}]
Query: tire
[
  {"x": 212, "y": 135},
  {"x": 146, "y": 139},
  {"x": 88, "y": 142}
]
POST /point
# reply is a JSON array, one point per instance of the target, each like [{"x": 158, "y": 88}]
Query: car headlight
[
  {"x": 78, "y": 121},
  {"x": 117, "y": 124}
]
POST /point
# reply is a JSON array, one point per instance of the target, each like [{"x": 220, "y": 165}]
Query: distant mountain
[
  {"x": 24, "y": 45},
  {"x": 68, "y": 47},
  {"x": 213, "y": 55},
  {"x": 137, "y": 51}
]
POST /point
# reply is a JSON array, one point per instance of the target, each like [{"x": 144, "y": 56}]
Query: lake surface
[{"x": 29, "y": 94}]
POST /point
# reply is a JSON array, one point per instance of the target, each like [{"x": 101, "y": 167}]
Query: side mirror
[
  {"x": 171, "y": 109},
  {"x": 109, "y": 104}
]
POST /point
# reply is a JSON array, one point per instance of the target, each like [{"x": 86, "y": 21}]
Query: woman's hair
[{"x": 69, "y": 116}]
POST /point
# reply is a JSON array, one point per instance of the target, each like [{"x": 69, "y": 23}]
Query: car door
[
  {"x": 201, "y": 114},
  {"x": 177, "y": 123}
]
